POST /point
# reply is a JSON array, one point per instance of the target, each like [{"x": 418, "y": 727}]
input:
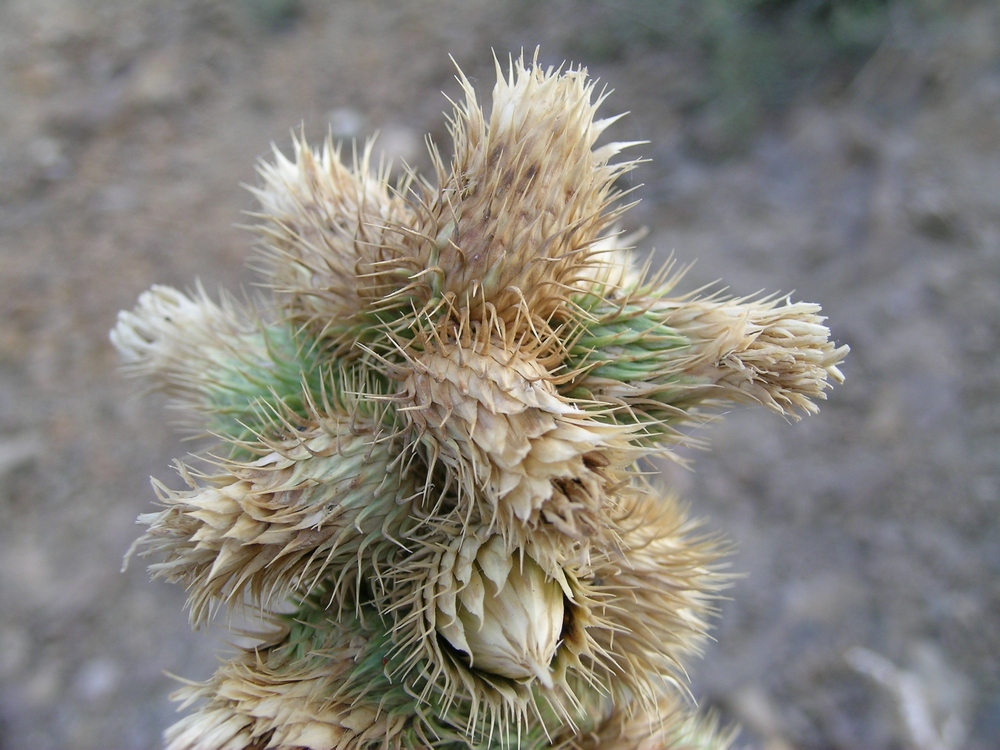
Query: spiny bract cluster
[{"x": 430, "y": 444}]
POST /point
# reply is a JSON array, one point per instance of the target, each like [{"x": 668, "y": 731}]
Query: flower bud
[{"x": 506, "y": 617}]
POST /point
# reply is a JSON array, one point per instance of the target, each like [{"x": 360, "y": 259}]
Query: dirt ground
[{"x": 869, "y": 534}]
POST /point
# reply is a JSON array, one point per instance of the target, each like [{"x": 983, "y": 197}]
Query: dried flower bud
[
  {"x": 270, "y": 696},
  {"x": 326, "y": 229},
  {"x": 171, "y": 337},
  {"x": 534, "y": 191},
  {"x": 520, "y": 453},
  {"x": 666, "y": 362},
  {"x": 219, "y": 362},
  {"x": 280, "y": 523},
  {"x": 505, "y": 614}
]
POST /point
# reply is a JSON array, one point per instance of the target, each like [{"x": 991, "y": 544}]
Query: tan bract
[
  {"x": 520, "y": 455},
  {"x": 318, "y": 506},
  {"x": 327, "y": 230},
  {"x": 517, "y": 218},
  {"x": 269, "y": 698}
]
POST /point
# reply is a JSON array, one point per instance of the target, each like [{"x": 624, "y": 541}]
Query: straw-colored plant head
[{"x": 428, "y": 471}]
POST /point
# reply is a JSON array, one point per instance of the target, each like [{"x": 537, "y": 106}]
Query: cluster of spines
[{"x": 450, "y": 368}]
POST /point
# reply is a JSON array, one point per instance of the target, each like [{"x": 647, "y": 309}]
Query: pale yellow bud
[{"x": 505, "y": 614}]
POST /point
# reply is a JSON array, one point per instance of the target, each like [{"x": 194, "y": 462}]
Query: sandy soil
[{"x": 126, "y": 127}]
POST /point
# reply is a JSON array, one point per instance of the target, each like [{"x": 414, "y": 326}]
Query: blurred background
[{"x": 847, "y": 151}]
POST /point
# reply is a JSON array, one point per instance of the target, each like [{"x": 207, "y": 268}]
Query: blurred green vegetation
[
  {"x": 748, "y": 58},
  {"x": 273, "y": 15}
]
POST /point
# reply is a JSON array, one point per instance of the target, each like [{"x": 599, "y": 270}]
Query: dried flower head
[{"x": 427, "y": 471}]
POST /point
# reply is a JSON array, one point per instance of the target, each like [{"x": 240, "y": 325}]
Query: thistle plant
[{"x": 432, "y": 444}]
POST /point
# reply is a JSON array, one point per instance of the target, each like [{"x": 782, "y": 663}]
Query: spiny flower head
[{"x": 428, "y": 469}]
